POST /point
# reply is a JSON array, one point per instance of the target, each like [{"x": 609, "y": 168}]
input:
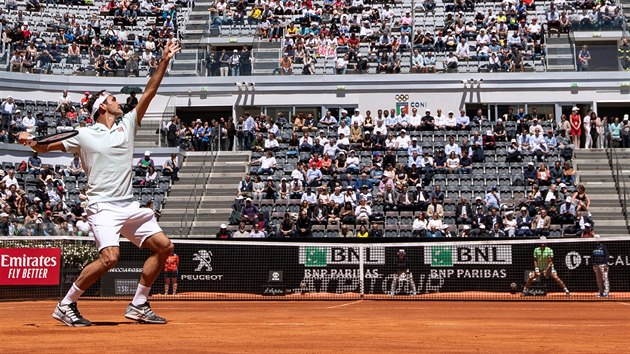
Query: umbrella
[{"x": 129, "y": 89}]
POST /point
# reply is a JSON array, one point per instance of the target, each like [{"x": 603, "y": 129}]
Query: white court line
[
  {"x": 298, "y": 324},
  {"x": 342, "y": 305},
  {"x": 624, "y": 303}
]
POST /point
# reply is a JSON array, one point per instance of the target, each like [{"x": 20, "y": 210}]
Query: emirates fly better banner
[{"x": 30, "y": 266}]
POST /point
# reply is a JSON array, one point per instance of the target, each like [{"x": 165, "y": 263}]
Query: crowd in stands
[
  {"x": 430, "y": 175},
  {"x": 115, "y": 38},
  {"x": 45, "y": 117},
  {"x": 353, "y": 35},
  {"x": 38, "y": 198},
  {"x": 223, "y": 63},
  {"x": 112, "y": 39},
  {"x": 41, "y": 199}
]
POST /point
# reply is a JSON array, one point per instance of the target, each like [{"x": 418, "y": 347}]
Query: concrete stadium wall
[{"x": 365, "y": 91}]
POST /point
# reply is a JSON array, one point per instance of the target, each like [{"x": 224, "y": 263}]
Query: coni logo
[{"x": 572, "y": 260}]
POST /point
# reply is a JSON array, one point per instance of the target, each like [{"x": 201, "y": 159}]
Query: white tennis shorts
[{"x": 110, "y": 220}]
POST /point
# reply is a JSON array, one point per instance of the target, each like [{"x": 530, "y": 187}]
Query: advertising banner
[
  {"x": 225, "y": 267},
  {"x": 30, "y": 266}
]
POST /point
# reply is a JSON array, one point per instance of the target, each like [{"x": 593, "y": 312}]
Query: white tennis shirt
[{"x": 107, "y": 157}]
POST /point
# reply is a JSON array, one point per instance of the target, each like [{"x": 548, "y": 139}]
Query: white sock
[
  {"x": 142, "y": 293},
  {"x": 73, "y": 295}
]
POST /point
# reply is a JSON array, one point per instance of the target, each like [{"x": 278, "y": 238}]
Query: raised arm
[{"x": 170, "y": 49}]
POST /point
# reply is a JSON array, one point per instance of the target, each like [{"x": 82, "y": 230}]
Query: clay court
[{"x": 324, "y": 327}]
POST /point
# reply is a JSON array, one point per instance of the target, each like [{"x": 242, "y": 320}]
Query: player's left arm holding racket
[{"x": 26, "y": 138}]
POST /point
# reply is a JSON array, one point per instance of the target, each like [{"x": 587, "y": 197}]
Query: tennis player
[
  {"x": 106, "y": 151},
  {"x": 543, "y": 260}
]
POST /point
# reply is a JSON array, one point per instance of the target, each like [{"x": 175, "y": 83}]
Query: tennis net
[{"x": 336, "y": 269}]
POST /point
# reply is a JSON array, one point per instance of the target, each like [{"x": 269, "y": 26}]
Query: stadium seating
[
  {"x": 493, "y": 172},
  {"x": 234, "y": 21},
  {"x": 67, "y": 207}
]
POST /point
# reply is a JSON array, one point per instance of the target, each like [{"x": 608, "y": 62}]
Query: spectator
[
  {"x": 541, "y": 223},
  {"x": 435, "y": 226},
  {"x": 83, "y": 227},
  {"x": 584, "y": 58},
  {"x": 419, "y": 226},
  {"x": 143, "y": 164},
  {"x": 241, "y": 232},
  {"x": 450, "y": 63},
  {"x": 303, "y": 225},
  {"x": 257, "y": 232},
  {"x": 223, "y": 232},
  {"x": 286, "y": 65},
  {"x": 75, "y": 168},
  {"x": 249, "y": 213},
  {"x": 267, "y": 164},
  {"x": 171, "y": 168}
]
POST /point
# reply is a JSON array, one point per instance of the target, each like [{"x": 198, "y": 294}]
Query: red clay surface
[{"x": 324, "y": 327}]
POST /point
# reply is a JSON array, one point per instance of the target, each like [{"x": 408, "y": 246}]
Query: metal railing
[
  {"x": 620, "y": 180},
  {"x": 198, "y": 189},
  {"x": 571, "y": 35}
]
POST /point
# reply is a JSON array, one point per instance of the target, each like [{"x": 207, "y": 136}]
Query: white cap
[
  {"x": 575, "y": 109},
  {"x": 543, "y": 238},
  {"x": 83, "y": 214},
  {"x": 482, "y": 226},
  {"x": 530, "y": 164},
  {"x": 223, "y": 226},
  {"x": 562, "y": 185},
  {"x": 466, "y": 227},
  {"x": 248, "y": 199},
  {"x": 587, "y": 224},
  {"x": 509, "y": 212},
  {"x": 37, "y": 199},
  {"x": 4, "y": 215},
  {"x": 489, "y": 132},
  {"x": 625, "y": 117},
  {"x": 568, "y": 200},
  {"x": 147, "y": 153},
  {"x": 403, "y": 131}
]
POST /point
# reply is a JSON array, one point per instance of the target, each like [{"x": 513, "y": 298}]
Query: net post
[{"x": 361, "y": 271}]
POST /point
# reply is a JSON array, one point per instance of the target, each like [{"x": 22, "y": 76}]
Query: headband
[{"x": 98, "y": 102}]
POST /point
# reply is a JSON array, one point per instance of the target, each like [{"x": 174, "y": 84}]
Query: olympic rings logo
[{"x": 402, "y": 97}]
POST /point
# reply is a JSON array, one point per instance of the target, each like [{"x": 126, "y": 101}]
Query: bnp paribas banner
[{"x": 436, "y": 268}]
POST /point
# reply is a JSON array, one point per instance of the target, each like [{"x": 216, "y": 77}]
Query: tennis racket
[{"x": 52, "y": 138}]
